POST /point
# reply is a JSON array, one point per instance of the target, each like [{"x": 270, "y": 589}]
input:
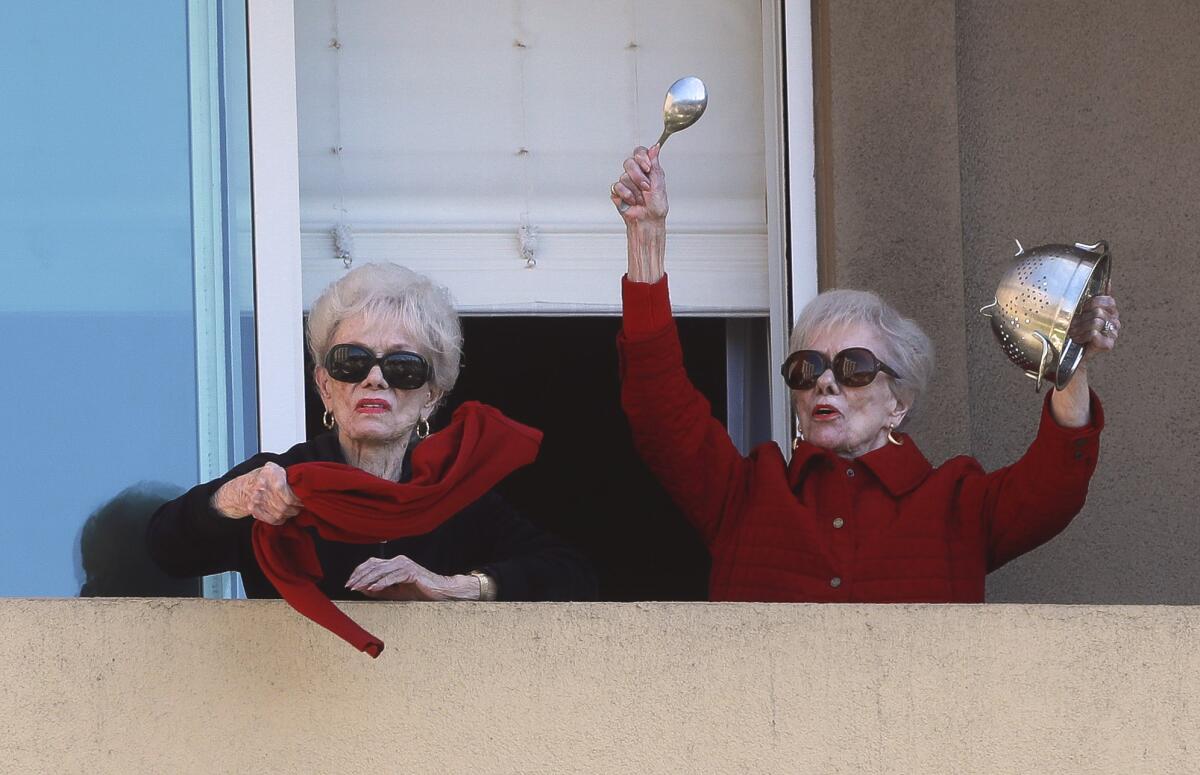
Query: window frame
[{"x": 275, "y": 194}]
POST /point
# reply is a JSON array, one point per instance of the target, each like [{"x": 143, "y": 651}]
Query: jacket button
[
  {"x": 838, "y": 521},
  {"x": 835, "y": 582},
  {"x": 850, "y": 472}
]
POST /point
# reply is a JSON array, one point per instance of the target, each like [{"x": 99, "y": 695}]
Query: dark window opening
[{"x": 588, "y": 484}]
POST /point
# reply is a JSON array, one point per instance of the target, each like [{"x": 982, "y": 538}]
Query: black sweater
[{"x": 187, "y": 537}]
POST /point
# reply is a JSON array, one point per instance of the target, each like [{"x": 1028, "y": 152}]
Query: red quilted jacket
[{"x": 885, "y": 527}]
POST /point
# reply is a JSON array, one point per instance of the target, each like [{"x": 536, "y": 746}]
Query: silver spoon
[
  {"x": 686, "y": 100},
  {"x": 685, "y": 103}
]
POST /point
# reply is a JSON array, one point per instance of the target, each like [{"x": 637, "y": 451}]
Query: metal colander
[{"x": 1036, "y": 301}]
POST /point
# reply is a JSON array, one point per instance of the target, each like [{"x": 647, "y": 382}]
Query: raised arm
[
  {"x": 640, "y": 195},
  {"x": 1031, "y": 501},
  {"x": 1024, "y": 505},
  {"x": 1097, "y": 327},
  {"x": 674, "y": 431}
]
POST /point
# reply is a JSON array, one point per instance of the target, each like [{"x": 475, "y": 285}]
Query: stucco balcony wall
[{"x": 121, "y": 686}]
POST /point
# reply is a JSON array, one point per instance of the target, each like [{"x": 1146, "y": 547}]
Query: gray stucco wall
[
  {"x": 958, "y": 126},
  {"x": 896, "y": 185}
]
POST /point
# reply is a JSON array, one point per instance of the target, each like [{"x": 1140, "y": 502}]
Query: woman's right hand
[
  {"x": 640, "y": 194},
  {"x": 262, "y": 493}
]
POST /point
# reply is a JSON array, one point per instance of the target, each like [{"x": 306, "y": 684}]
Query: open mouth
[
  {"x": 372, "y": 406},
  {"x": 825, "y": 412}
]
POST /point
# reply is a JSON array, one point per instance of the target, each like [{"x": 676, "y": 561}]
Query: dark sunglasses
[
  {"x": 404, "y": 370},
  {"x": 852, "y": 367}
]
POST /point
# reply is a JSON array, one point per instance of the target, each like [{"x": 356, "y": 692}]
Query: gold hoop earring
[
  {"x": 422, "y": 428},
  {"x": 327, "y": 420},
  {"x": 892, "y": 438},
  {"x": 799, "y": 435}
]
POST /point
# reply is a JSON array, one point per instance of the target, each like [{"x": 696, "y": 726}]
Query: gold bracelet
[{"x": 487, "y": 585}]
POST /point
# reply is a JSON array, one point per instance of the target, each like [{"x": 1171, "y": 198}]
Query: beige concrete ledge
[{"x": 123, "y": 686}]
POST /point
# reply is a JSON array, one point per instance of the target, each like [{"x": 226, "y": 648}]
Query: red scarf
[{"x": 450, "y": 470}]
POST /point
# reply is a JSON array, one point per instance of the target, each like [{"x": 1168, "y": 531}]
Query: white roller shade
[{"x": 434, "y": 130}]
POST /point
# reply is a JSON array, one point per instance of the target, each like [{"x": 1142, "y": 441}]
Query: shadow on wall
[{"x": 112, "y": 547}]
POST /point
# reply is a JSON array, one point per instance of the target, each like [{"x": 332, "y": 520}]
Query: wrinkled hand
[
  {"x": 402, "y": 579},
  {"x": 1097, "y": 325},
  {"x": 262, "y": 493},
  {"x": 640, "y": 194}
]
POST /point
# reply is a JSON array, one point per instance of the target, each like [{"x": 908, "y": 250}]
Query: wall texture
[
  {"x": 895, "y": 179},
  {"x": 123, "y": 686},
  {"x": 961, "y": 125}
]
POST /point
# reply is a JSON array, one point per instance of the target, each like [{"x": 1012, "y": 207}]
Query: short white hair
[
  {"x": 907, "y": 349},
  {"x": 392, "y": 295}
]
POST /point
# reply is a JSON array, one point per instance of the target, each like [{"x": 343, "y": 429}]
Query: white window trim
[
  {"x": 794, "y": 61},
  {"x": 774, "y": 120},
  {"x": 275, "y": 188},
  {"x": 802, "y": 152}
]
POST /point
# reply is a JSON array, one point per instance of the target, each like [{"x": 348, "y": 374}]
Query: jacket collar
[{"x": 898, "y": 468}]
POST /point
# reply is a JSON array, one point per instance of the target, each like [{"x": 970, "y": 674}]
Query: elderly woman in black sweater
[{"x": 387, "y": 345}]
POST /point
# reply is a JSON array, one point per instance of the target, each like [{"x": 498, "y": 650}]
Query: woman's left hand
[
  {"x": 402, "y": 579},
  {"x": 1097, "y": 325}
]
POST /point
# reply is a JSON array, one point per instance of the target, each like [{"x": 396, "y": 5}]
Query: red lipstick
[
  {"x": 825, "y": 412},
  {"x": 373, "y": 406}
]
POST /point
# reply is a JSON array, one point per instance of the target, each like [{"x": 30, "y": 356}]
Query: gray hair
[
  {"x": 907, "y": 349},
  {"x": 392, "y": 295}
]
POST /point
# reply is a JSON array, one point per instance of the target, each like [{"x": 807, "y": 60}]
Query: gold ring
[{"x": 613, "y": 190}]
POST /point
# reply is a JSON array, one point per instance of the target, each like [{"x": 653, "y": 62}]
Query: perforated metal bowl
[{"x": 1036, "y": 301}]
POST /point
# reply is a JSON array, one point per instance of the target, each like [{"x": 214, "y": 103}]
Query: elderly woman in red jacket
[{"x": 858, "y": 514}]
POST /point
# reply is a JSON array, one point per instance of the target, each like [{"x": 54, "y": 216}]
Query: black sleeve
[
  {"x": 188, "y": 537},
  {"x": 527, "y": 562}
]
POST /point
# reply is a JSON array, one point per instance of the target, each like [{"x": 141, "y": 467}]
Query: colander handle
[
  {"x": 1100, "y": 248},
  {"x": 1047, "y": 351},
  {"x": 986, "y": 309}
]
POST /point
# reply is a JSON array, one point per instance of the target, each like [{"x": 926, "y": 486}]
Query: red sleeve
[
  {"x": 645, "y": 308},
  {"x": 674, "y": 431},
  {"x": 1033, "y": 500}
]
